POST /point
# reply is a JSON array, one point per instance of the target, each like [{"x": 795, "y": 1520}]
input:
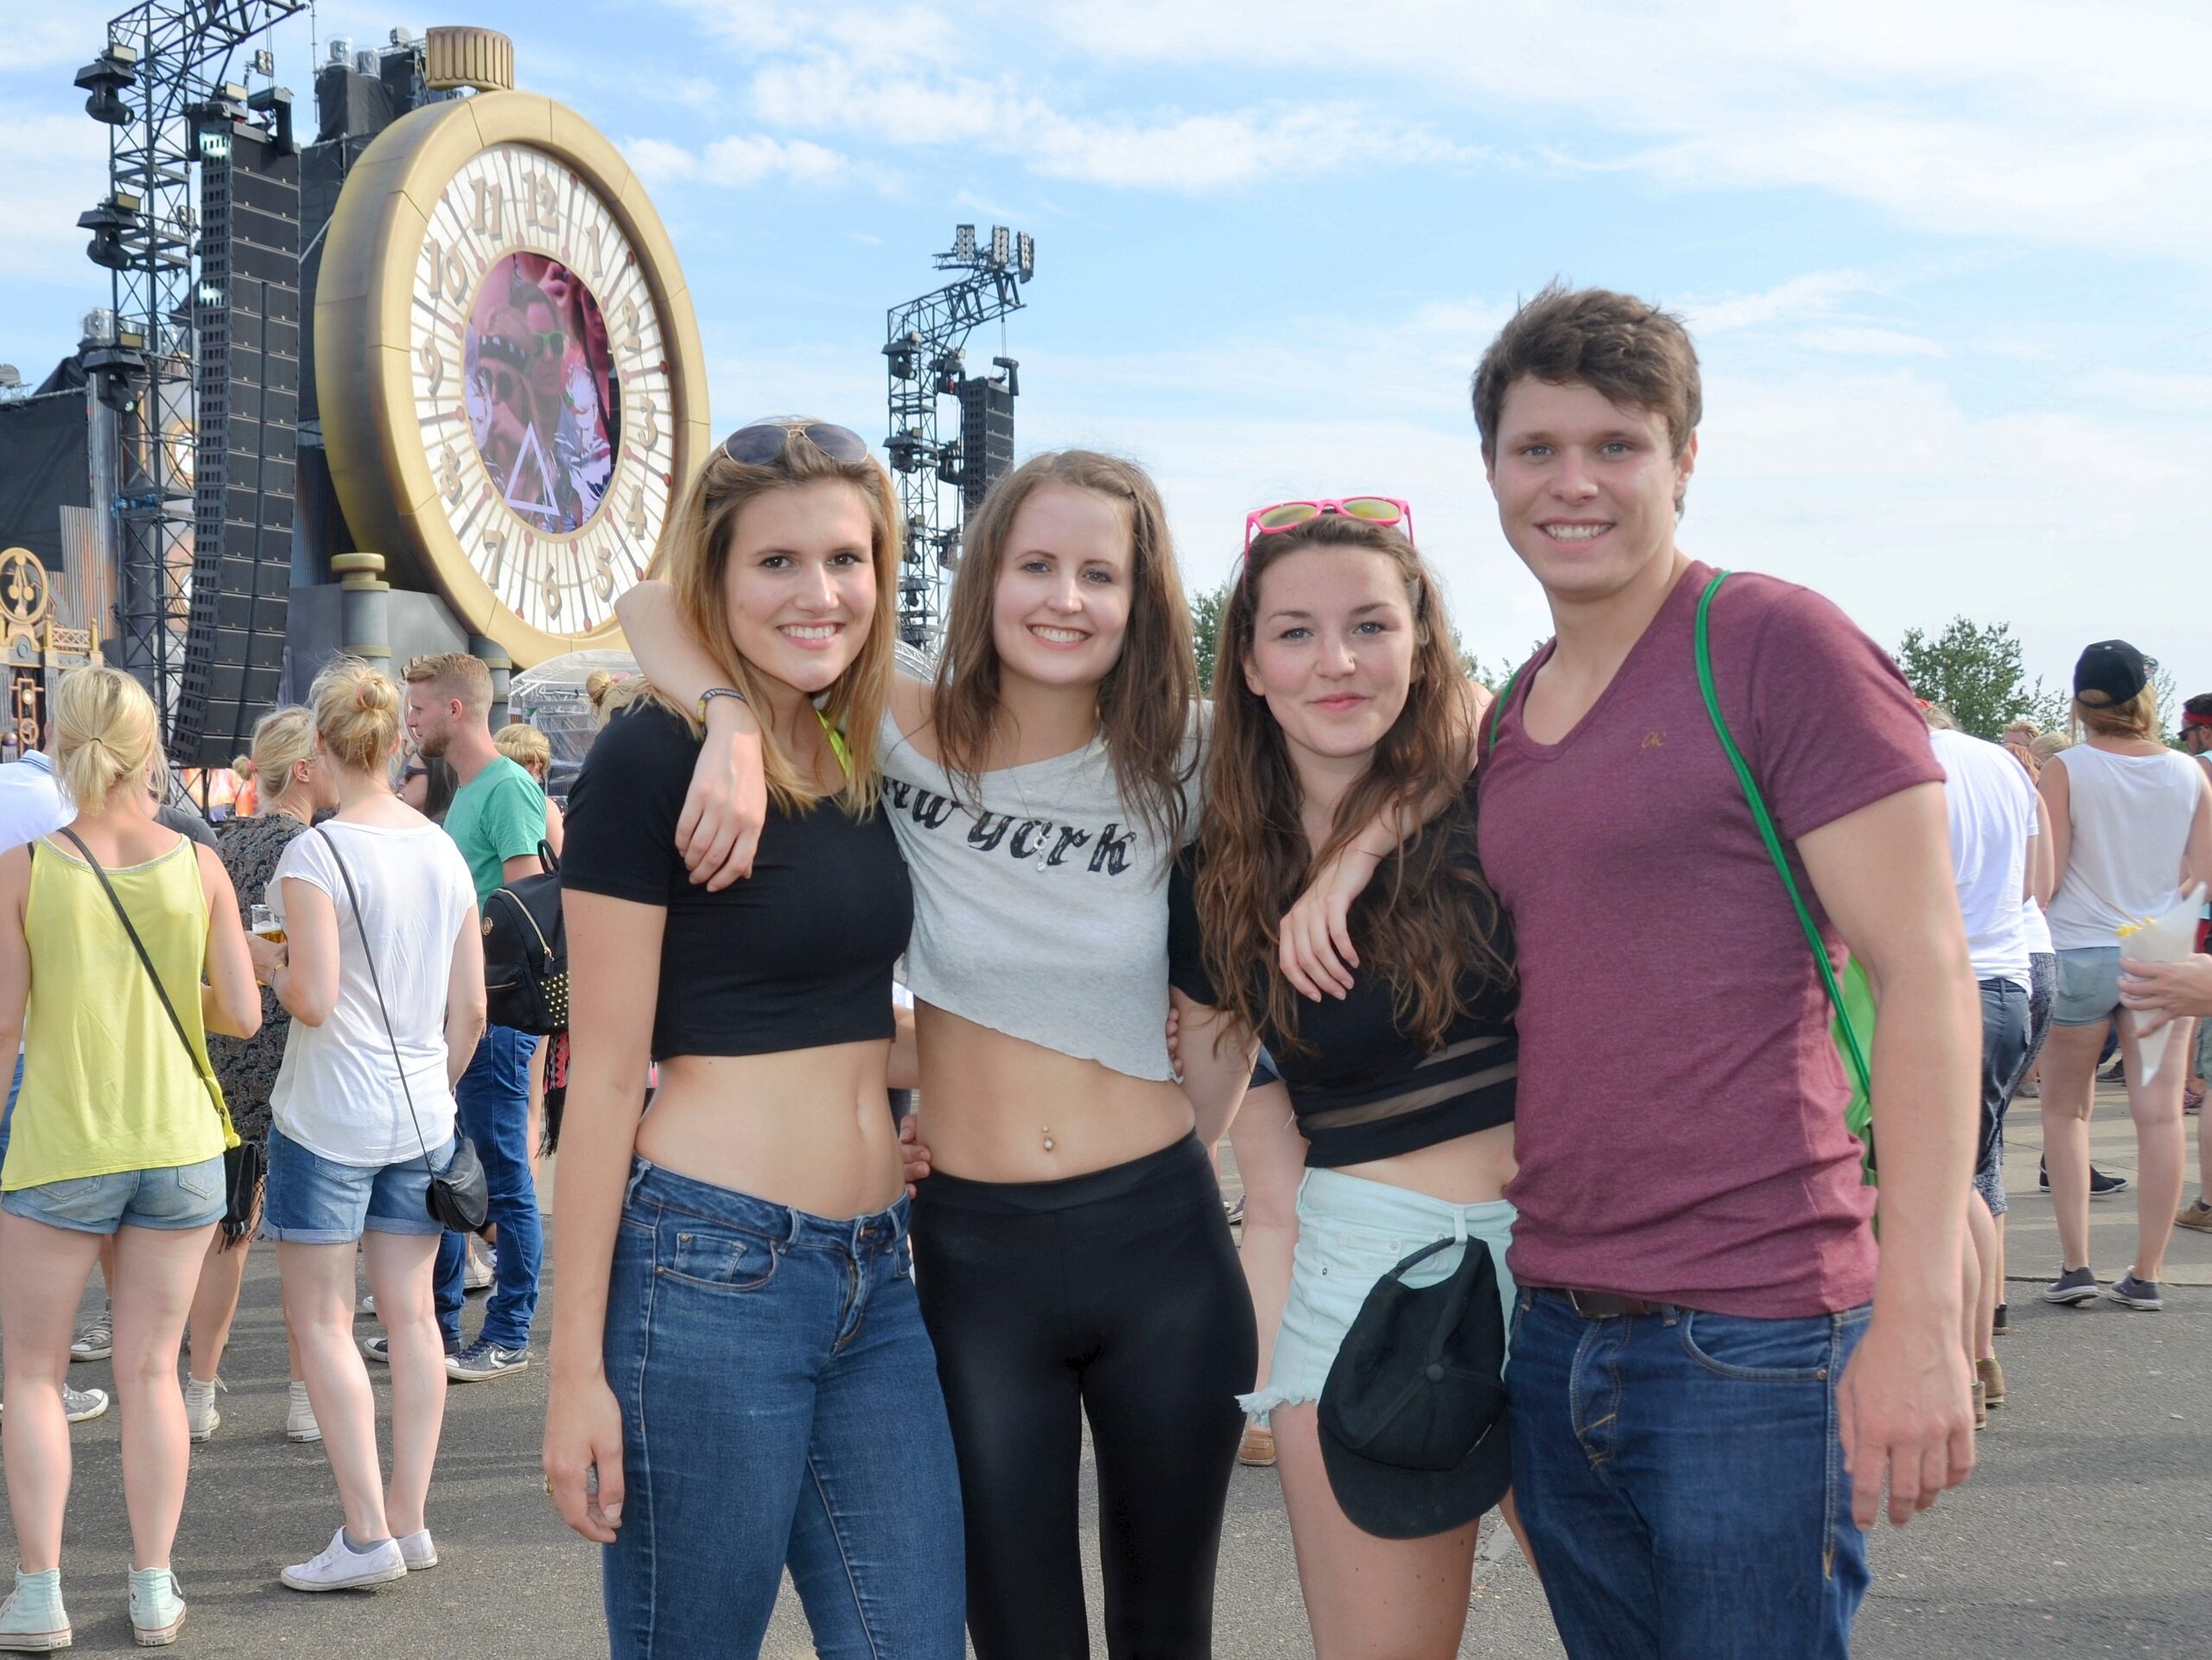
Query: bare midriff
[
  {"x": 808, "y": 1128},
  {"x": 1465, "y": 1170},
  {"x": 990, "y": 1103}
]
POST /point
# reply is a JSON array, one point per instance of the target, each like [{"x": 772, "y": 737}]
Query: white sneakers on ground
[
  {"x": 299, "y": 1416},
  {"x": 479, "y": 1272},
  {"x": 156, "y": 1607},
  {"x": 200, "y": 1417},
  {"x": 417, "y": 1550},
  {"x": 341, "y": 1567}
]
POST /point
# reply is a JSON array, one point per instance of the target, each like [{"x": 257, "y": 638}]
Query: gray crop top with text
[{"x": 1044, "y": 915}]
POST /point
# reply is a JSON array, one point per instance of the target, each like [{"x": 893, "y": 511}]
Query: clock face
[
  {"x": 507, "y": 369},
  {"x": 542, "y": 388}
]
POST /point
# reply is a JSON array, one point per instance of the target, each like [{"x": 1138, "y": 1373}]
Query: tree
[
  {"x": 1206, "y": 631},
  {"x": 1974, "y": 671}
]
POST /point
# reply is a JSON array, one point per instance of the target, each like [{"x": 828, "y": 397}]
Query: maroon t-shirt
[{"x": 1680, "y": 1128}]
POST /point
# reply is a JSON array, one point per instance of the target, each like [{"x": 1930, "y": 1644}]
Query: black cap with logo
[
  {"x": 2114, "y": 669},
  {"x": 1413, "y": 1415}
]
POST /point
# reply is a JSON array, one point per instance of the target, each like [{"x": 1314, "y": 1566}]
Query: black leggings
[{"x": 1116, "y": 1294}]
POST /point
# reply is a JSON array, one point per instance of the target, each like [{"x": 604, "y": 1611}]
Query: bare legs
[
  {"x": 149, "y": 1285},
  {"x": 1980, "y": 1281},
  {"x": 2069, "y": 1095},
  {"x": 319, "y": 1306},
  {"x": 2161, "y": 1146},
  {"x": 2069, "y": 1086}
]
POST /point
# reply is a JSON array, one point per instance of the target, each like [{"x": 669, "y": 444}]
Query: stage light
[
  {"x": 1025, "y": 257},
  {"x": 963, "y": 243},
  {"x": 901, "y": 353},
  {"x": 1001, "y": 247},
  {"x": 104, "y": 78},
  {"x": 107, "y": 222}
]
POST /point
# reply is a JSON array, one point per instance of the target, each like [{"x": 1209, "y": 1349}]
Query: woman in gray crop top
[
  {"x": 1338, "y": 695},
  {"x": 1070, "y": 1248},
  {"x": 734, "y": 1314}
]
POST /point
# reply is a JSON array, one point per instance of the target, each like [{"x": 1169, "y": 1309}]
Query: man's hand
[
  {"x": 1907, "y": 1408},
  {"x": 2166, "y": 991},
  {"x": 1315, "y": 949},
  {"x": 720, "y": 829}
]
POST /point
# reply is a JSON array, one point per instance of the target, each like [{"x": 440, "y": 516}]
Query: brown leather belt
[{"x": 1603, "y": 1305}]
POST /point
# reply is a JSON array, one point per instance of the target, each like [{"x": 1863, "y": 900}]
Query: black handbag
[
  {"x": 460, "y": 1198},
  {"x": 241, "y": 1176},
  {"x": 526, "y": 953}
]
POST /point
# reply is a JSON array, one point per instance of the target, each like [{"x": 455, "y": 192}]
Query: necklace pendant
[{"x": 1048, "y": 1140}]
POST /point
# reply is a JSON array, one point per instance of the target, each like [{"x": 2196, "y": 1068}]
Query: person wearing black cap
[
  {"x": 1336, "y": 698},
  {"x": 2132, "y": 825}
]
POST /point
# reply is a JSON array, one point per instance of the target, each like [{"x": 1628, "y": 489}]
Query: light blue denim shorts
[
  {"x": 1353, "y": 1232},
  {"x": 313, "y": 1201},
  {"x": 2088, "y": 985},
  {"x": 176, "y": 1197}
]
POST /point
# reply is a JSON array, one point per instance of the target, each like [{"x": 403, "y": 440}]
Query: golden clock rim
[{"x": 363, "y": 315}]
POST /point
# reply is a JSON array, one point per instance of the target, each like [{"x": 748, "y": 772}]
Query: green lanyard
[{"x": 838, "y": 747}]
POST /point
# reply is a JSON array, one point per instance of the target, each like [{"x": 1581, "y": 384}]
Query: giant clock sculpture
[{"x": 507, "y": 365}]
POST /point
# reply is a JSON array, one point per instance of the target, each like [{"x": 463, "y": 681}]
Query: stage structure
[
  {"x": 164, "y": 79},
  {"x": 925, "y": 353}
]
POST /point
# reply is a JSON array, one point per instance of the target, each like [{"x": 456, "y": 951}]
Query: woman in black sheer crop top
[
  {"x": 734, "y": 1314},
  {"x": 1338, "y": 697}
]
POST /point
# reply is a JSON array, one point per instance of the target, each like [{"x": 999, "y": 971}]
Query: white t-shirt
[
  {"x": 2132, "y": 816},
  {"x": 338, "y": 1093},
  {"x": 1993, "y": 812}
]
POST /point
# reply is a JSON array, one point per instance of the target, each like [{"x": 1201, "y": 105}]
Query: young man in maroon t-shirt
[{"x": 1712, "y": 1375}]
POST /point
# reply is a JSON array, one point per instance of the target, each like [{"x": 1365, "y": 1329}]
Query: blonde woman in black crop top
[
  {"x": 742, "y": 1381},
  {"x": 1337, "y": 699}
]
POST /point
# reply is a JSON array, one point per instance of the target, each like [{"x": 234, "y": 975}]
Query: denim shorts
[
  {"x": 176, "y": 1197},
  {"x": 313, "y": 1201},
  {"x": 2088, "y": 985},
  {"x": 1353, "y": 1232}
]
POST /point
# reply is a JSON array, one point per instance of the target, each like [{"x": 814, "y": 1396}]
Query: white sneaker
[
  {"x": 200, "y": 1417},
  {"x": 95, "y": 1339},
  {"x": 340, "y": 1567},
  {"x": 158, "y": 1608},
  {"x": 480, "y": 1270},
  {"x": 299, "y": 1416},
  {"x": 417, "y": 1550},
  {"x": 368, "y": 1303}
]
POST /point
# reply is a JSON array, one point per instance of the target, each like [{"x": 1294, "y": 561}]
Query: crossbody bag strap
[
  {"x": 1497, "y": 709},
  {"x": 1772, "y": 837},
  {"x": 353, "y": 898},
  {"x": 161, "y": 991}
]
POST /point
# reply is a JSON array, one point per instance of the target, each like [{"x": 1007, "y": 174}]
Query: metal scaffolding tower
[
  {"x": 166, "y": 75},
  {"x": 923, "y": 348}
]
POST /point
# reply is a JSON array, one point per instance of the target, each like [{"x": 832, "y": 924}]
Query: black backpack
[{"x": 526, "y": 953}]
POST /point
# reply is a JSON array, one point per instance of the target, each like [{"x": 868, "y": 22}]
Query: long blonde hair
[
  {"x": 105, "y": 732},
  {"x": 694, "y": 559}
]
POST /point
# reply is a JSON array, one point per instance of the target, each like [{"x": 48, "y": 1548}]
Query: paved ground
[{"x": 2086, "y": 1530}]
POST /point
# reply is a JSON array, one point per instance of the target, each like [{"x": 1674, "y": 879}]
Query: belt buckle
[{"x": 1575, "y": 1301}]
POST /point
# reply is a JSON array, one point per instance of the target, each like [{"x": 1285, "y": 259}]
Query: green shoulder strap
[
  {"x": 1497, "y": 709},
  {"x": 1845, "y": 1026}
]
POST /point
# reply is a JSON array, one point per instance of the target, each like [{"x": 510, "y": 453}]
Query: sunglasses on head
[
  {"x": 1289, "y": 515},
  {"x": 761, "y": 442}
]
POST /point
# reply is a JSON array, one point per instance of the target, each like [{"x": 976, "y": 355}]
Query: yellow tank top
[{"x": 106, "y": 1085}]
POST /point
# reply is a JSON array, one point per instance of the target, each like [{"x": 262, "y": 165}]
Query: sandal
[{"x": 1258, "y": 1447}]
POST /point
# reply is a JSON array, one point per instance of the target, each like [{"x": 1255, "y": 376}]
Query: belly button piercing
[{"x": 1048, "y": 1138}]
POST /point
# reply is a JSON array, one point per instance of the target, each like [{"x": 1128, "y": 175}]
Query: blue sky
[{"x": 1946, "y": 265}]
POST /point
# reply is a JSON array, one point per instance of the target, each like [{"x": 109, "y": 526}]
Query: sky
[{"x": 1948, "y": 266}]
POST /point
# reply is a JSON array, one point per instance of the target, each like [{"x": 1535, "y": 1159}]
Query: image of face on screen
[{"x": 544, "y": 401}]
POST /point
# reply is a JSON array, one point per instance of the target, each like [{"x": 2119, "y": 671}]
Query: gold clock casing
[{"x": 381, "y": 432}]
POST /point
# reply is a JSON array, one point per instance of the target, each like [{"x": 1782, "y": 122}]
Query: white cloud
[
  {"x": 58, "y": 170},
  {"x": 735, "y": 160},
  {"x": 1810, "y": 294},
  {"x": 1850, "y": 341}
]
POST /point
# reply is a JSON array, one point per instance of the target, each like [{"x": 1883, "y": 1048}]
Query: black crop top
[
  {"x": 1360, "y": 1088},
  {"x": 796, "y": 955}
]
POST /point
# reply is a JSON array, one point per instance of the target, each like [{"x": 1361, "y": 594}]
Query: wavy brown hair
[
  {"x": 1144, "y": 701},
  {"x": 1429, "y": 918},
  {"x": 694, "y": 559}
]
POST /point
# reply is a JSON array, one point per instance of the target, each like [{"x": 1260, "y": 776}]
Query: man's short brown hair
[
  {"x": 1636, "y": 354},
  {"x": 457, "y": 675}
]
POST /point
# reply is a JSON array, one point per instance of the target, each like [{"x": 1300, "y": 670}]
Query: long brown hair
[
  {"x": 1415, "y": 917},
  {"x": 694, "y": 558},
  {"x": 1144, "y": 701}
]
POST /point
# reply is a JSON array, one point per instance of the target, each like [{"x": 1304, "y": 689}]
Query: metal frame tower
[
  {"x": 924, "y": 348},
  {"x": 173, "y": 59}
]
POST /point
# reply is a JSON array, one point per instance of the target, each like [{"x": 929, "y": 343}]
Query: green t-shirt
[{"x": 496, "y": 815}]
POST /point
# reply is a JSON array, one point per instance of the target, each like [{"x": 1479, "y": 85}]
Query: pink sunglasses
[{"x": 1289, "y": 515}]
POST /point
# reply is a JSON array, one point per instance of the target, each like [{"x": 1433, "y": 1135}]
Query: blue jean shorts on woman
[
  {"x": 313, "y": 1201},
  {"x": 1353, "y": 1232},
  {"x": 174, "y": 1197},
  {"x": 2088, "y": 985}
]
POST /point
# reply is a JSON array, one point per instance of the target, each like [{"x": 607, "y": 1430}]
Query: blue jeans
[
  {"x": 171, "y": 1196},
  {"x": 780, "y": 1408},
  {"x": 312, "y": 1200},
  {"x": 1681, "y": 1477},
  {"x": 494, "y": 1096}
]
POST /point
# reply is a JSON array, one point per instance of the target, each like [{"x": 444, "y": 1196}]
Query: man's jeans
[
  {"x": 494, "y": 1096},
  {"x": 1681, "y": 1481},
  {"x": 780, "y": 1407}
]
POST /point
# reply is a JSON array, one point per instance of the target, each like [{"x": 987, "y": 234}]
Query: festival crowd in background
[{"x": 1567, "y": 1036}]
